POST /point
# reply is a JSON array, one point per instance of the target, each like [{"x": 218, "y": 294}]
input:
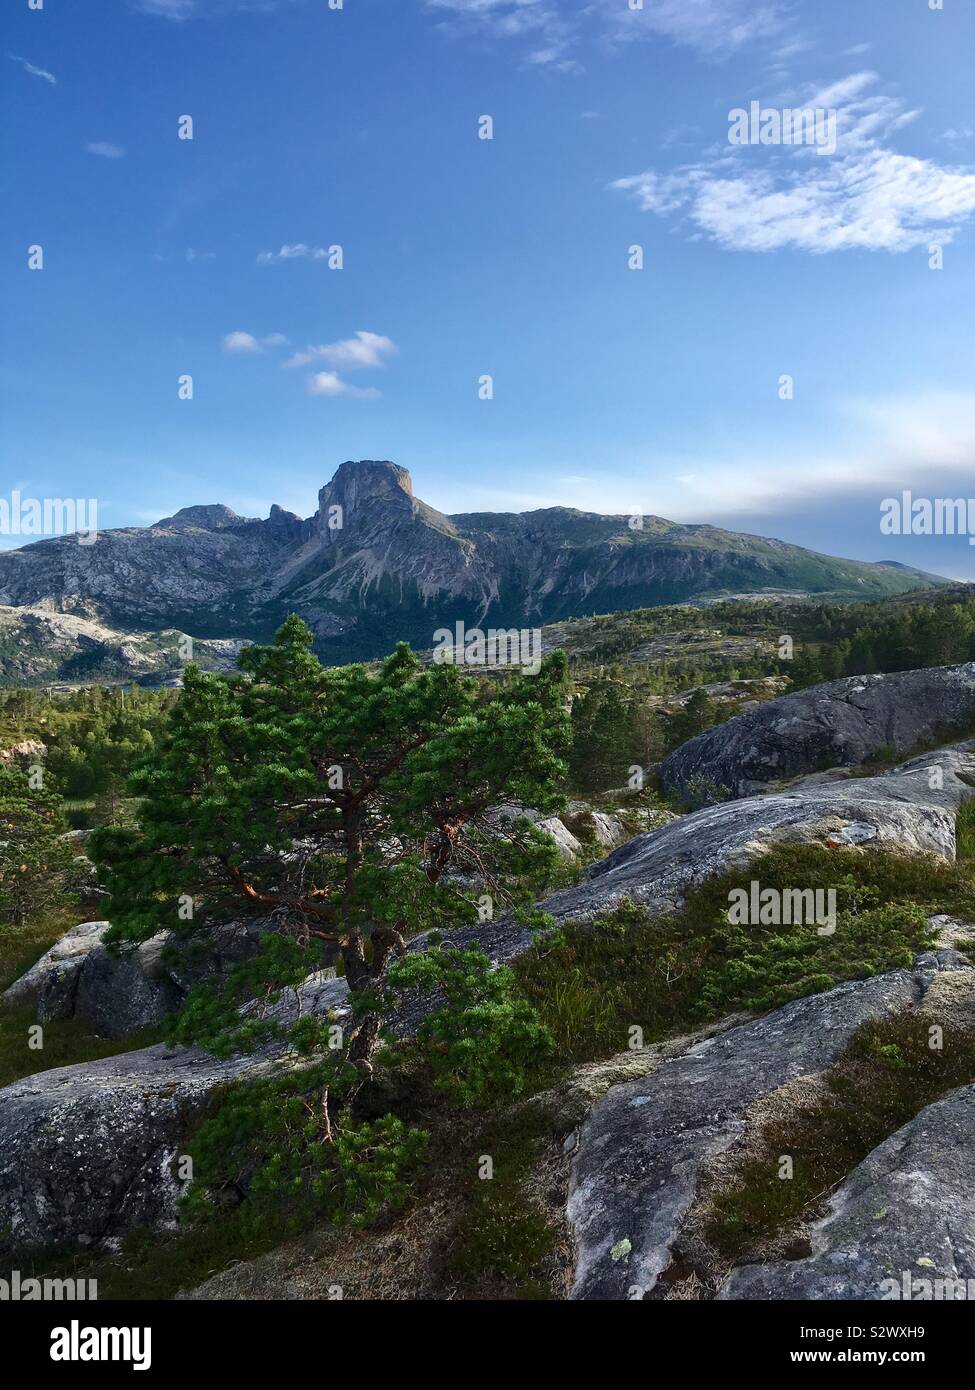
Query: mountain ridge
[{"x": 375, "y": 564}]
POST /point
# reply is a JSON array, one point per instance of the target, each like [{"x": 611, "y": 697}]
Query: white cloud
[
  {"x": 180, "y": 10},
  {"x": 544, "y": 23},
  {"x": 241, "y": 342},
  {"x": 298, "y": 252},
  {"x": 508, "y": 17},
  {"x": 105, "y": 150},
  {"x": 246, "y": 342},
  {"x": 865, "y": 196},
  {"x": 34, "y": 72},
  {"x": 363, "y": 351},
  {"x": 714, "y": 28},
  {"x": 924, "y": 443},
  {"x": 331, "y": 384},
  {"x": 884, "y": 445}
]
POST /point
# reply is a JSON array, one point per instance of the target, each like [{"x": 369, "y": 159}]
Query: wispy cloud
[
  {"x": 241, "y": 342},
  {"x": 363, "y": 352},
  {"x": 297, "y": 252},
  {"x": 105, "y": 150},
  {"x": 924, "y": 442},
  {"x": 881, "y": 445},
  {"x": 34, "y": 71},
  {"x": 180, "y": 10},
  {"x": 549, "y": 27},
  {"x": 714, "y": 28},
  {"x": 331, "y": 384},
  {"x": 552, "y": 32},
  {"x": 349, "y": 354},
  {"x": 792, "y": 49},
  {"x": 865, "y": 196}
]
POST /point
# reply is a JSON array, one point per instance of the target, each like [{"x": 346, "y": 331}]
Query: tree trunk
[{"x": 363, "y": 975}]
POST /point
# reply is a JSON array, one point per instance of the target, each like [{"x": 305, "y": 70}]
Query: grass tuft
[{"x": 965, "y": 831}]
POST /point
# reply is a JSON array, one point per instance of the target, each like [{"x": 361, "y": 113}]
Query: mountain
[{"x": 374, "y": 565}]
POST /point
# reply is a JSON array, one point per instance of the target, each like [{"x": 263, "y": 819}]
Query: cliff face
[{"x": 375, "y": 564}]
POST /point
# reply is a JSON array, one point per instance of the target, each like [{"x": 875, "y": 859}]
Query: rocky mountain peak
[
  {"x": 212, "y": 517},
  {"x": 356, "y": 485}
]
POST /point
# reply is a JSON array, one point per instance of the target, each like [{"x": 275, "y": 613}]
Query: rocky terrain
[
  {"x": 844, "y": 723},
  {"x": 86, "y": 1151},
  {"x": 90, "y": 1152},
  {"x": 910, "y": 808},
  {"x": 373, "y": 565},
  {"x": 883, "y": 1215},
  {"x": 639, "y": 1157},
  {"x": 39, "y": 647},
  {"x": 116, "y": 993}
]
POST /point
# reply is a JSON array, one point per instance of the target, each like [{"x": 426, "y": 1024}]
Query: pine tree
[
  {"x": 35, "y": 859},
  {"x": 331, "y": 803},
  {"x": 699, "y": 714},
  {"x": 805, "y": 669},
  {"x": 603, "y": 737}
]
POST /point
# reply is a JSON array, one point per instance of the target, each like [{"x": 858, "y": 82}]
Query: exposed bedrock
[
  {"x": 641, "y": 1152},
  {"x": 841, "y": 724}
]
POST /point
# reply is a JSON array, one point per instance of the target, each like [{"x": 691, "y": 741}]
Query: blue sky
[{"x": 615, "y": 390}]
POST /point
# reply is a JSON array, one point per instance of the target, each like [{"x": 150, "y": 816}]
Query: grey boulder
[
  {"x": 910, "y": 809},
  {"x": 119, "y": 992},
  {"x": 52, "y": 980},
  {"x": 842, "y": 723},
  {"x": 902, "y": 1226},
  {"x": 88, "y": 1152}
]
